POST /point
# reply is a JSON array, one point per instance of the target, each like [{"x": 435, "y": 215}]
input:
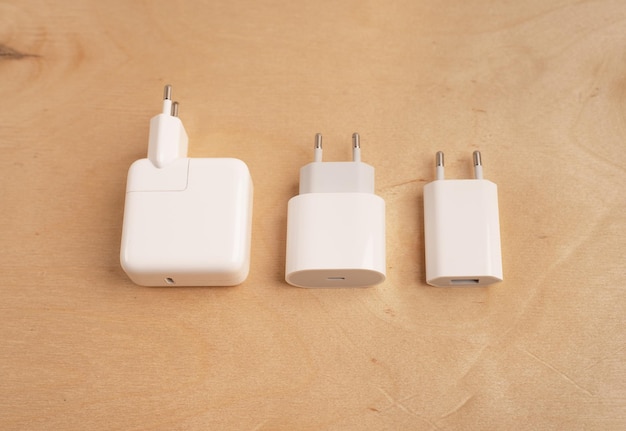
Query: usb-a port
[{"x": 464, "y": 281}]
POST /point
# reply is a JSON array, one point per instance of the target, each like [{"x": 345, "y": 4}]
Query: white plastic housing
[
  {"x": 335, "y": 240},
  {"x": 462, "y": 233},
  {"x": 165, "y": 129},
  {"x": 336, "y": 177},
  {"x": 188, "y": 223}
]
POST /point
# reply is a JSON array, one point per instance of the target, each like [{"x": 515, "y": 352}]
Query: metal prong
[
  {"x": 356, "y": 140},
  {"x": 439, "y": 165},
  {"x": 356, "y": 147},
  {"x": 439, "y": 158},
  {"x": 175, "y": 109},
  {"x": 317, "y": 151},
  {"x": 477, "y": 159},
  {"x": 478, "y": 165},
  {"x": 167, "y": 100}
]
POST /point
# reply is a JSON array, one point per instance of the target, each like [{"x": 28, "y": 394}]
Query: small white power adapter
[
  {"x": 462, "y": 229},
  {"x": 187, "y": 221},
  {"x": 336, "y": 225}
]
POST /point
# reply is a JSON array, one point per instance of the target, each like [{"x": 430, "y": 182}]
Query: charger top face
[
  {"x": 462, "y": 230},
  {"x": 187, "y": 221}
]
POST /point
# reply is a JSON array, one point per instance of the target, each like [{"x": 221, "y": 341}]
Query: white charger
[
  {"x": 187, "y": 221},
  {"x": 336, "y": 225},
  {"x": 462, "y": 229}
]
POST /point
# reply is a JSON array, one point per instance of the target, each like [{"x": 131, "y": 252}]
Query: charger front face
[
  {"x": 462, "y": 233},
  {"x": 188, "y": 223},
  {"x": 335, "y": 240}
]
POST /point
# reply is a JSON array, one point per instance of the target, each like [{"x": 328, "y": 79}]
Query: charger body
[
  {"x": 187, "y": 223},
  {"x": 462, "y": 233}
]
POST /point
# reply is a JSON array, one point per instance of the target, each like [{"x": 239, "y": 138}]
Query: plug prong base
[
  {"x": 317, "y": 148},
  {"x": 478, "y": 165},
  {"x": 356, "y": 147},
  {"x": 167, "y": 100},
  {"x": 439, "y": 165}
]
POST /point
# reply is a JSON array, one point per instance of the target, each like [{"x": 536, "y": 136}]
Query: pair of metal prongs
[
  {"x": 478, "y": 165},
  {"x": 356, "y": 148}
]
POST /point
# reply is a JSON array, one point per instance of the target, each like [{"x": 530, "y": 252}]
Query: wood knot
[{"x": 8, "y": 53}]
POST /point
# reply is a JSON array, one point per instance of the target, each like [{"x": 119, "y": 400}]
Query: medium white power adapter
[
  {"x": 187, "y": 221},
  {"x": 462, "y": 229},
  {"x": 336, "y": 225}
]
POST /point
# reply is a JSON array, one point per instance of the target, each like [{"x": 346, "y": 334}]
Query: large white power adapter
[
  {"x": 462, "y": 229},
  {"x": 336, "y": 225},
  {"x": 187, "y": 221}
]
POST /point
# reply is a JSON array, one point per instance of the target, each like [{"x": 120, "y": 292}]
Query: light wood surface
[{"x": 538, "y": 86}]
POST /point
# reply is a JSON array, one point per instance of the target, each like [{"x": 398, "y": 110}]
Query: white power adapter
[
  {"x": 336, "y": 225},
  {"x": 462, "y": 229},
  {"x": 187, "y": 221}
]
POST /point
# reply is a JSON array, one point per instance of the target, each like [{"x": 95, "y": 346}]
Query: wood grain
[{"x": 538, "y": 86}]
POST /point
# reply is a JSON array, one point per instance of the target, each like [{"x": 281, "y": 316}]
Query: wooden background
[{"x": 538, "y": 86}]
